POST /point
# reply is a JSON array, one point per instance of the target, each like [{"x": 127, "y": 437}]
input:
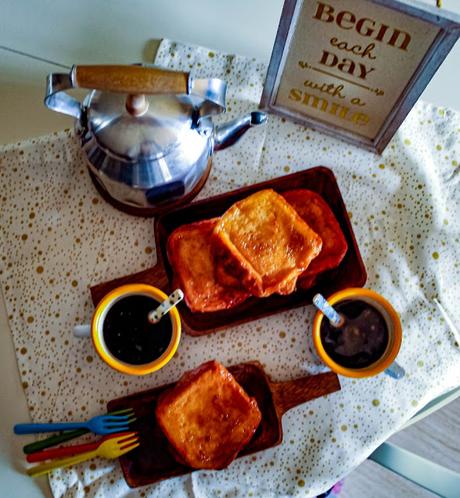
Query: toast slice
[
  {"x": 314, "y": 210},
  {"x": 190, "y": 254},
  {"x": 264, "y": 243},
  {"x": 207, "y": 417}
]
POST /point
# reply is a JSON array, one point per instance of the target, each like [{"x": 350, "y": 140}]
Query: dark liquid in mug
[
  {"x": 130, "y": 337},
  {"x": 363, "y": 338}
]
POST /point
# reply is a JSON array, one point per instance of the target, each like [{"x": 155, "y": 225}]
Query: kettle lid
[{"x": 133, "y": 134}]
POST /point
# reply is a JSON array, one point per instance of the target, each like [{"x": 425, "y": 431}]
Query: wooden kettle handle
[
  {"x": 287, "y": 395},
  {"x": 130, "y": 79},
  {"x": 155, "y": 276}
]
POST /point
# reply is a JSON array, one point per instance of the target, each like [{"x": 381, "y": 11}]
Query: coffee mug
[
  {"x": 96, "y": 329},
  {"x": 386, "y": 361}
]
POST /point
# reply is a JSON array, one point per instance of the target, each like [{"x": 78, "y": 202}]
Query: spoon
[
  {"x": 172, "y": 300},
  {"x": 335, "y": 319}
]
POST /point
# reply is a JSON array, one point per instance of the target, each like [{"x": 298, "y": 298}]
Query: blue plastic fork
[{"x": 102, "y": 424}]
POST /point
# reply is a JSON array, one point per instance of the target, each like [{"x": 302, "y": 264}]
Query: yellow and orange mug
[
  {"x": 95, "y": 329},
  {"x": 386, "y": 363}
]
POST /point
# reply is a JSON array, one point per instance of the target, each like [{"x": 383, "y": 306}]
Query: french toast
[
  {"x": 207, "y": 417},
  {"x": 313, "y": 209},
  {"x": 190, "y": 254},
  {"x": 264, "y": 243}
]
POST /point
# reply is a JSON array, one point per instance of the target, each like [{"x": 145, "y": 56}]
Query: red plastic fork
[{"x": 71, "y": 450}]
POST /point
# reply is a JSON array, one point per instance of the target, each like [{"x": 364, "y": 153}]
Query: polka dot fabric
[{"x": 58, "y": 238}]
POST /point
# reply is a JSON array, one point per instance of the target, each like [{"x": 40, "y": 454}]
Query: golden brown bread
[
  {"x": 207, "y": 417},
  {"x": 189, "y": 252},
  {"x": 313, "y": 209},
  {"x": 264, "y": 243}
]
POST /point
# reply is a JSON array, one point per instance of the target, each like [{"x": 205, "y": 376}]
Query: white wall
[{"x": 120, "y": 31}]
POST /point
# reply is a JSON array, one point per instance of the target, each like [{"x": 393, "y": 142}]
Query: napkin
[{"x": 58, "y": 237}]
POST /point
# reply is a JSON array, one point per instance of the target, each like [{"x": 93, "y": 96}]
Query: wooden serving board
[
  {"x": 350, "y": 273},
  {"x": 153, "y": 461}
]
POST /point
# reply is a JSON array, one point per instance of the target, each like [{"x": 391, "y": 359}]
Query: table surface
[{"x": 116, "y": 32}]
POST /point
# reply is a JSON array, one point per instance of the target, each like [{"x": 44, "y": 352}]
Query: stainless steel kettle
[{"x": 146, "y": 133}]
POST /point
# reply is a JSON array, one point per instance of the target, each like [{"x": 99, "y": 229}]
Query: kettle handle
[
  {"x": 133, "y": 80},
  {"x": 130, "y": 79}
]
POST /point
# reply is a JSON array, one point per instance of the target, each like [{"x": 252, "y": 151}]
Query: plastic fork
[
  {"x": 70, "y": 450},
  {"x": 62, "y": 437},
  {"x": 102, "y": 424},
  {"x": 58, "y": 438},
  {"x": 111, "y": 448}
]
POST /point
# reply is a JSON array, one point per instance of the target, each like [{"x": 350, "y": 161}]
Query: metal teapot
[{"x": 146, "y": 133}]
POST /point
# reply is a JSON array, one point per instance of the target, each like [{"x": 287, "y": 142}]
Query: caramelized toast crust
[
  {"x": 207, "y": 417},
  {"x": 190, "y": 254},
  {"x": 264, "y": 243},
  {"x": 313, "y": 209}
]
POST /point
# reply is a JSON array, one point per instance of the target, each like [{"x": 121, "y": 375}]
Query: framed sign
[{"x": 355, "y": 68}]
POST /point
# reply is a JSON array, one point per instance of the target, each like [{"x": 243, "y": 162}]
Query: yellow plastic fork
[{"x": 113, "y": 447}]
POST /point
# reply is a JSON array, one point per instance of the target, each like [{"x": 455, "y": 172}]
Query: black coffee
[
  {"x": 130, "y": 337},
  {"x": 362, "y": 339}
]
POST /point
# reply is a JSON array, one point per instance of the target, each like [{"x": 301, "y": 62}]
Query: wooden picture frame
[{"x": 355, "y": 68}]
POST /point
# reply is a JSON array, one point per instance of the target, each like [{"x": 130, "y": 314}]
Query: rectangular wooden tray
[
  {"x": 350, "y": 273},
  {"x": 153, "y": 460}
]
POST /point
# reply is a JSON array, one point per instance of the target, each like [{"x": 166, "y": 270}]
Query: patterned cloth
[{"x": 58, "y": 237}]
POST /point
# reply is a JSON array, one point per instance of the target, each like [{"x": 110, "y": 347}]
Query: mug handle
[
  {"x": 395, "y": 371},
  {"x": 82, "y": 330}
]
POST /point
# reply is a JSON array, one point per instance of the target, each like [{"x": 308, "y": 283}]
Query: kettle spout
[{"x": 229, "y": 133}]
